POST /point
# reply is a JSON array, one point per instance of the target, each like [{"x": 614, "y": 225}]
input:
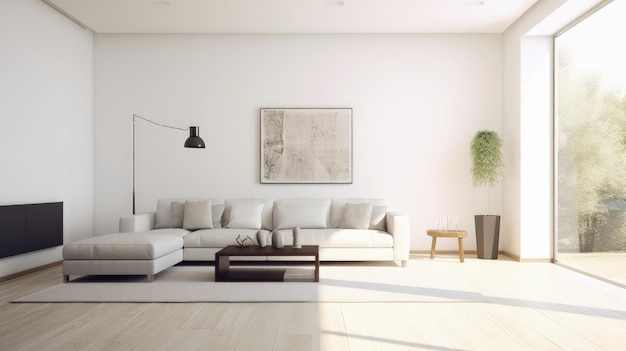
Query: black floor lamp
[{"x": 194, "y": 142}]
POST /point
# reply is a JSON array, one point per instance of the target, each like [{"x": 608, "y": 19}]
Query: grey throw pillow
[
  {"x": 197, "y": 215},
  {"x": 217, "y": 211},
  {"x": 178, "y": 210},
  {"x": 357, "y": 216}
]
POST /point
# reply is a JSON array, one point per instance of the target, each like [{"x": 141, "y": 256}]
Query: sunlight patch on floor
[{"x": 606, "y": 265}]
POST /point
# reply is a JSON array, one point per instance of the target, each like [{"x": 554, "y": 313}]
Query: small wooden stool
[{"x": 459, "y": 234}]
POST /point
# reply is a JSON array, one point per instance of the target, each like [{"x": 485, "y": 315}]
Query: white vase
[
  {"x": 277, "y": 239},
  {"x": 261, "y": 238},
  {"x": 296, "y": 238}
]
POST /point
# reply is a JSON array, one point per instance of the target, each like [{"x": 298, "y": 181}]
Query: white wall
[
  {"x": 46, "y": 114},
  {"x": 417, "y": 101}
]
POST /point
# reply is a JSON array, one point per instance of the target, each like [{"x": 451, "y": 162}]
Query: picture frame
[{"x": 306, "y": 145}]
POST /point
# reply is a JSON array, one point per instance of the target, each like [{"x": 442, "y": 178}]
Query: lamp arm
[
  {"x": 155, "y": 123},
  {"x": 132, "y": 169},
  {"x": 194, "y": 141}
]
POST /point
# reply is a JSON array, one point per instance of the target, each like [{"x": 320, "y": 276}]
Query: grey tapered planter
[{"x": 487, "y": 236}]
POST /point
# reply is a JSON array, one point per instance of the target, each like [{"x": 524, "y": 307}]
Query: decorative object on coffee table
[
  {"x": 247, "y": 241},
  {"x": 487, "y": 168},
  {"x": 306, "y": 145},
  {"x": 277, "y": 239},
  {"x": 296, "y": 238},
  {"x": 261, "y": 238},
  {"x": 436, "y": 233},
  {"x": 224, "y": 272}
]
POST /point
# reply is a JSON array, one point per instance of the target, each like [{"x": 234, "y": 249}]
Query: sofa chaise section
[{"x": 145, "y": 253}]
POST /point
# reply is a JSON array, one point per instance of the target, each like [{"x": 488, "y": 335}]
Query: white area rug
[{"x": 340, "y": 282}]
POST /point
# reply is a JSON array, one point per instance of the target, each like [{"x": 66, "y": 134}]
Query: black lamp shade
[{"x": 194, "y": 141}]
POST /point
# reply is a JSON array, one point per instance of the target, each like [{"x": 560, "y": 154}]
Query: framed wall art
[{"x": 306, "y": 145}]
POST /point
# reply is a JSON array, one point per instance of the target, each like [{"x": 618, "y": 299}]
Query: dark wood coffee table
[{"x": 225, "y": 273}]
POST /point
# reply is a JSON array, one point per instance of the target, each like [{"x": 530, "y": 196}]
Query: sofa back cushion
[
  {"x": 303, "y": 213},
  {"x": 377, "y": 218},
  {"x": 309, "y": 216},
  {"x": 266, "y": 212}
]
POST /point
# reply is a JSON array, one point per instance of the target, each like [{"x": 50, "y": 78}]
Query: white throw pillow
[
  {"x": 245, "y": 216},
  {"x": 217, "y": 211},
  {"x": 178, "y": 210},
  {"x": 377, "y": 222},
  {"x": 303, "y": 216},
  {"x": 357, "y": 216},
  {"x": 197, "y": 215},
  {"x": 338, "y": 206}
]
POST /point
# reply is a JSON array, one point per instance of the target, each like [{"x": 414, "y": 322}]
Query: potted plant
[{"x": 487, "y": 168}]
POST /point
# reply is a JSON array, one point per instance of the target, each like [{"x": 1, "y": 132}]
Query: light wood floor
[
  {"x": 610, "y": 266},
  {"x": 532, "y": 306}
]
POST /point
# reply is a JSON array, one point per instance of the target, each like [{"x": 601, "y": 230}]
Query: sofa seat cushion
[
  {"x": 124, "y": 246},
  {"x": 337, "y": 237},
  {"x": 330, "y": 237},
  {"x": 220, "y": 237}
]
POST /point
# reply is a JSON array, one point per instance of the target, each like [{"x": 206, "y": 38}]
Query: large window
[{"x": 590, "y": 138}]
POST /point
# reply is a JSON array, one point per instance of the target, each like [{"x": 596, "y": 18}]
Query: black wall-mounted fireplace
[{"x": 30, "y": 227}]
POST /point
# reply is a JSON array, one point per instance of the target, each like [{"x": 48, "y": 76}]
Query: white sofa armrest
[
  {"x": 398, "y": 226},
  {"x": 137, "y": 223}
]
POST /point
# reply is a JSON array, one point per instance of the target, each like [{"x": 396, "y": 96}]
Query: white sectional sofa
[{"x": 355, "y": 229}]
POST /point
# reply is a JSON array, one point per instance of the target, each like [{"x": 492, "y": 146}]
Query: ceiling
[{"x": 294, "y": 16}]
